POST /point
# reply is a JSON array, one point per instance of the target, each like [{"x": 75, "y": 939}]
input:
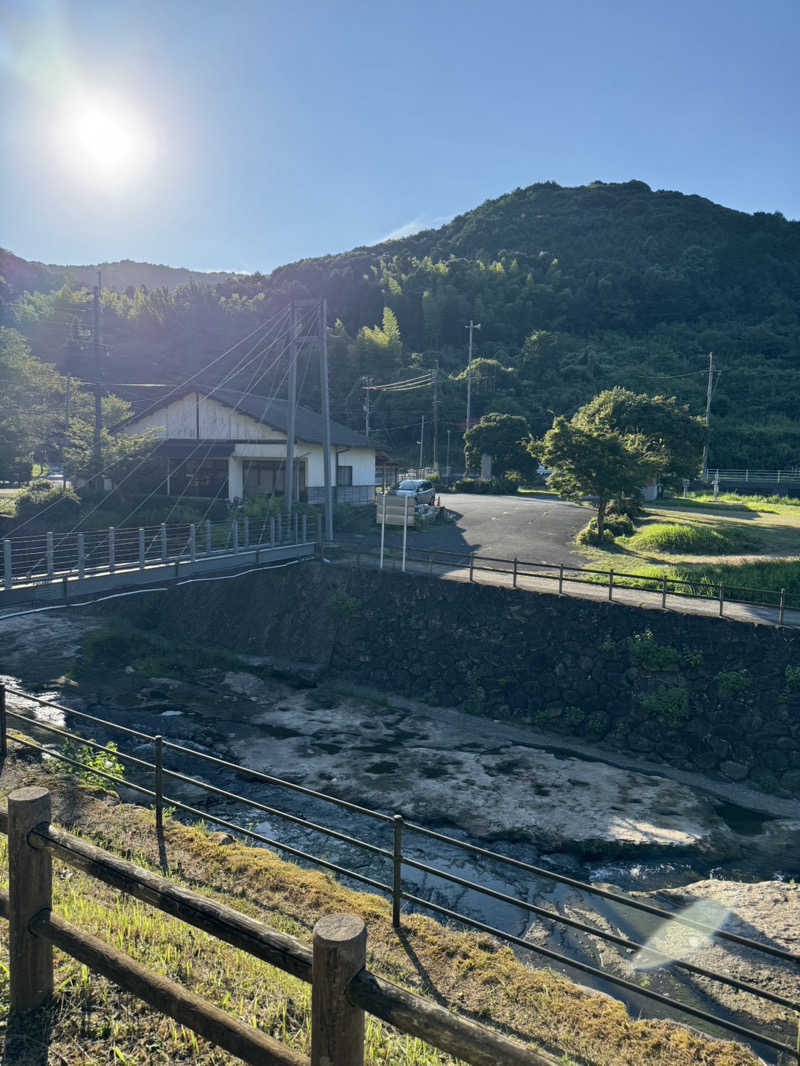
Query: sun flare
[{"x": 103, "y": 142}]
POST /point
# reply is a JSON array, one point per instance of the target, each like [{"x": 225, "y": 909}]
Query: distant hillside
[
  {"x": 576, "y": 289},
  {"x": 21, "y": 275}
]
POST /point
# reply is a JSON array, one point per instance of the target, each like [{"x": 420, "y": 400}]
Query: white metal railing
[
  {"x": 757, "y": 477},
  {"x": 48, "y": 557}
]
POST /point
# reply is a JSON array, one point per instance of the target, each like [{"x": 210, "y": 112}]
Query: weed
[
  {"x": 94, "y": 763},
  {"x": 733, "y": 684},
  {"x": 646, "y": 652},
  {"x": 792, "y": 676},
  {"x": 671, "y": 704}
]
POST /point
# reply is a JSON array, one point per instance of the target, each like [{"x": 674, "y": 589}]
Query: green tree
[
  {"x": 592, "y": 461},
  {"x": 505, "y": 438},
  {"x": 674, "y": 437},
  {"x": 31, "y": 412}
]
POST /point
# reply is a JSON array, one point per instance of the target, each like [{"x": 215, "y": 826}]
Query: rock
[
  {"x": 220, "y": 838},
  {"x": 129, "y": 670},
  {"x": 735, "y": 771}
]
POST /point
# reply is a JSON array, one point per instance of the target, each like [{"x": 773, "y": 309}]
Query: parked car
[{"x": 422, "y": 491}]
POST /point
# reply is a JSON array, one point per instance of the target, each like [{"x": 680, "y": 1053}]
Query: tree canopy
[{"x": 505, "y": 439}]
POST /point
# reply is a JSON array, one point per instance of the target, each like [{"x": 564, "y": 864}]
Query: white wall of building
[{"x": 179, "y": 421}]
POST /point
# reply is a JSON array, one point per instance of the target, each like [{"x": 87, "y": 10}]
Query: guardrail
[
  {"x": 434, "y": 563},
  {"x": 397, "y": 855},
  {"x": 47, "y": 558},
  {"x": 342, "y": 989}
]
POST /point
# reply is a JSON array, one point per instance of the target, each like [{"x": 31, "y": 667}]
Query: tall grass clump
[{"x": 684, "y": 539}]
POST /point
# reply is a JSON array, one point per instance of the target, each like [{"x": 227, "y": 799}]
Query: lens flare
[{"x": 673, "y": 940}]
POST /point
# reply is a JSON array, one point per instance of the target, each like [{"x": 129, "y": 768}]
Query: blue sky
[{"x": 261, "y": 132}]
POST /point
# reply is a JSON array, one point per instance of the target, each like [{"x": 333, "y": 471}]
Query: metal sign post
[
  {"x": 405, "y": 532},
  {"x": 383, "y": 527}
]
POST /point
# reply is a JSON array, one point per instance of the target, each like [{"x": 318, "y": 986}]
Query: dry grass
[{"x": 92, "y": 1022}]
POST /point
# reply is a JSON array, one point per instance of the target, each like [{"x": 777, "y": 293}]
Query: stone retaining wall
[{"x": 699, "y": 693}]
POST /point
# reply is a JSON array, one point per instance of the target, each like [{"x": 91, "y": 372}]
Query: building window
[{"x": 344, "y": 475}]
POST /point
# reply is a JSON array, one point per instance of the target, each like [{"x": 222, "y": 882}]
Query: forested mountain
[
  {"x": 576, "y": 290},
  {"x": 18, "y": 275}
]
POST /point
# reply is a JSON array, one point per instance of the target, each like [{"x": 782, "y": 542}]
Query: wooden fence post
[
  {"x": 560, "y": 578},
  {"x": 49, "y": 555},
  {"x": 30, "y": 890},
  {"x": 610, "y": 584},
  {"x": 8, "y": 572},
  {"x": 516, "y": 563},
  {"x": 721, "y": 600},
  {"x": 337, "y": 1027},
  {"x": 781, "y": 606},
  {"x": 142, "y": 550},
  {"x": 664, "y": 592}
]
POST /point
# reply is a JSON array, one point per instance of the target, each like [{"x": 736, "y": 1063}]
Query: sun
[{"x": 103, "y": 142}]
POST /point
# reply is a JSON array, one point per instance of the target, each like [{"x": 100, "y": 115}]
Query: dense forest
[{"x": 576, "y": 290}]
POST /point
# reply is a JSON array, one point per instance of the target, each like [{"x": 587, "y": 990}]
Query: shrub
[
  {"x": 471, "y": 484},
  {"x": 62, "y": 504},
  {"x": 792, "y": 676},
  {"x": 618, "y": 525}
]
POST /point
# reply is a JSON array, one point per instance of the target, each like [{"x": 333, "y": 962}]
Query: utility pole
[
  {"x": 367, "y": 382},
  {"x": 472, "y": 326},
  {"x": 98, "y": 408},
  {"x": 326, "y": 417},
  {"x": 435, "y": 378},
  {"x": 709, "y": 390},
  {"x": 67, "y": 398},
  {"x": 421, "y": 443},
  {"x": 292, "y": 411},
  {"x": 447, "y": 466}
]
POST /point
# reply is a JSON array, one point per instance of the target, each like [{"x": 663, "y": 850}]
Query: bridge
[{"x": 56, "y": 568}]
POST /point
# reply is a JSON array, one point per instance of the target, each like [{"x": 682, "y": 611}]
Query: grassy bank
[
  {"x": 742, "y": 542},
  {"x": 92, "y": 1022}
]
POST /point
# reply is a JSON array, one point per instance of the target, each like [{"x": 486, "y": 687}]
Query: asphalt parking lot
[{"x": 534, "y": 528}]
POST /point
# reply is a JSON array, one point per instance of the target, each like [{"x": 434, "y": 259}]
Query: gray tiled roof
[{"x": 273, "y": 412}]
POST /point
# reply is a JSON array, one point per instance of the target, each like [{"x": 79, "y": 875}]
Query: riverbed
[{"x": 486, "y": 783}]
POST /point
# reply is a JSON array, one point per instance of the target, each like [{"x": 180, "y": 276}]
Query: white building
[{"x": 217, "y": 440}]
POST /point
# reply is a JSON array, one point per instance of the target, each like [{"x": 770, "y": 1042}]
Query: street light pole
[{"x": 421, "y": 443}]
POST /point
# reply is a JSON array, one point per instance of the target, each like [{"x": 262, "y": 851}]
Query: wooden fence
[{"x": 342, "y": 989}]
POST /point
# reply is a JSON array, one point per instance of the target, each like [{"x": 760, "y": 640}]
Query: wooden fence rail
[{"x": 342, "y": 990}]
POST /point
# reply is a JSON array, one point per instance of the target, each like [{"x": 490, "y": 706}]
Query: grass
[
  {"x": 750, "y": 543},
  {"x": 768, "y": 504},
  {"x": 92, "y": 1022},
  {"x": 684, "y": 538}
]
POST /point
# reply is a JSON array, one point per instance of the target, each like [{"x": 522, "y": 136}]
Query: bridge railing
[
  {"x": 401, "y": 852},
  {"x": 44, "y": 558}
]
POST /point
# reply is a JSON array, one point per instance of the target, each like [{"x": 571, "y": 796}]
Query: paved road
[{"x": 535, "y": 528}]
